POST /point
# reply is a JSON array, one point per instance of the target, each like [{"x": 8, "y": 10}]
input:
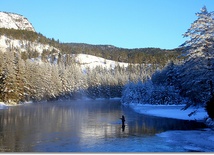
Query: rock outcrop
[{"x": 15, "y": 21}]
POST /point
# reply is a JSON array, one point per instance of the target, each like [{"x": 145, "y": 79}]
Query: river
[{"x": 84, "y": 126}]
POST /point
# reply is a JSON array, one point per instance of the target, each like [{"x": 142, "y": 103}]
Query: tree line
[
  {"x": 23, "y": 78},
  {"x": 31, "y": 80}
]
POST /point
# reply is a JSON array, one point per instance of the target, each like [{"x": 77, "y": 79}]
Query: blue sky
[{"x": 122, "y": 23}]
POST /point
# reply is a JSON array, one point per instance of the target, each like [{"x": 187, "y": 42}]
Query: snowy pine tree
[
  {"x": 9, "y": 85},
  {"x": 201, "y": 34},
  {"x": 195, "y": 73}
]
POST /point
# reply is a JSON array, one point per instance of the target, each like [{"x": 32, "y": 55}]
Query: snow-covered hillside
[
  {"x": 23, "y": 45},
  {"x": 15, "y": 21},
  {"x": 89, "y": 61},
  {"x": 85, "y": 60}
]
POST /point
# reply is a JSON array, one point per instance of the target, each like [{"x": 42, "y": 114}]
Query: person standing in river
[{"x": 123, "y": 122}]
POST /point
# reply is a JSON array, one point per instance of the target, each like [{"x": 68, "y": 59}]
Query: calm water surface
[{"x": 84, "y": 126}]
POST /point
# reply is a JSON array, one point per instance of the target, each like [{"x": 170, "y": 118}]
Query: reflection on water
[{"x": 75, "y": 125}]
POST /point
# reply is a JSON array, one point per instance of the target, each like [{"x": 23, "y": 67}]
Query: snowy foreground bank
[
  {"x": 191, "y": 140},
  {"x": 174, "y": 111},
  {"x": 3, "y": 105},
  {"x": 171, "y": 111}
]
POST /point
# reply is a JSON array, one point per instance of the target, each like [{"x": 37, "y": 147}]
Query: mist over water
[{"x": 84, "y": 126}]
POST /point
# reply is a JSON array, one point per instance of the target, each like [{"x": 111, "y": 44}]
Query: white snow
[
  {"x": 15, "y": 21},
  {"x": 23, "y": 45},
  {"x": 3, "y": 44},
  {"x": 171, "y": 111},
  {"x": 191, "y": 140},
  {"x": 3, "y": 105},
  {"x": 90, "y": 61},
  {"x": 28, "y": 102}
]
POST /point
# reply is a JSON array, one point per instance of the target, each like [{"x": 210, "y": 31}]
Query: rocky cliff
[{"x": 15, "y": 21}]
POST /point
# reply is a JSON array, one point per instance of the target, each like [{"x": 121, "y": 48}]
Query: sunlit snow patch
[{"x": 3, "y": 105}]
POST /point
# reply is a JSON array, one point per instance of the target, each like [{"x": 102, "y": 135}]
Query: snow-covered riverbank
[
  {"x": 3, "y": 105},
  {"x": 191, "y": 140},
  {"x": 171, "y": 111},
  {"x": 174, "y": 111}
]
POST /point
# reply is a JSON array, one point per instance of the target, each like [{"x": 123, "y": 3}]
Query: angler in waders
[{"x": 123, "y": 122}]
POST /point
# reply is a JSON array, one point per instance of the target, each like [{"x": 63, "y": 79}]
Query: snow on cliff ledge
[{"x": 15, "y": 21}]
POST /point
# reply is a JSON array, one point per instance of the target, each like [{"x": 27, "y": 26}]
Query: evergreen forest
[{"x": 57, "y": 74}]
